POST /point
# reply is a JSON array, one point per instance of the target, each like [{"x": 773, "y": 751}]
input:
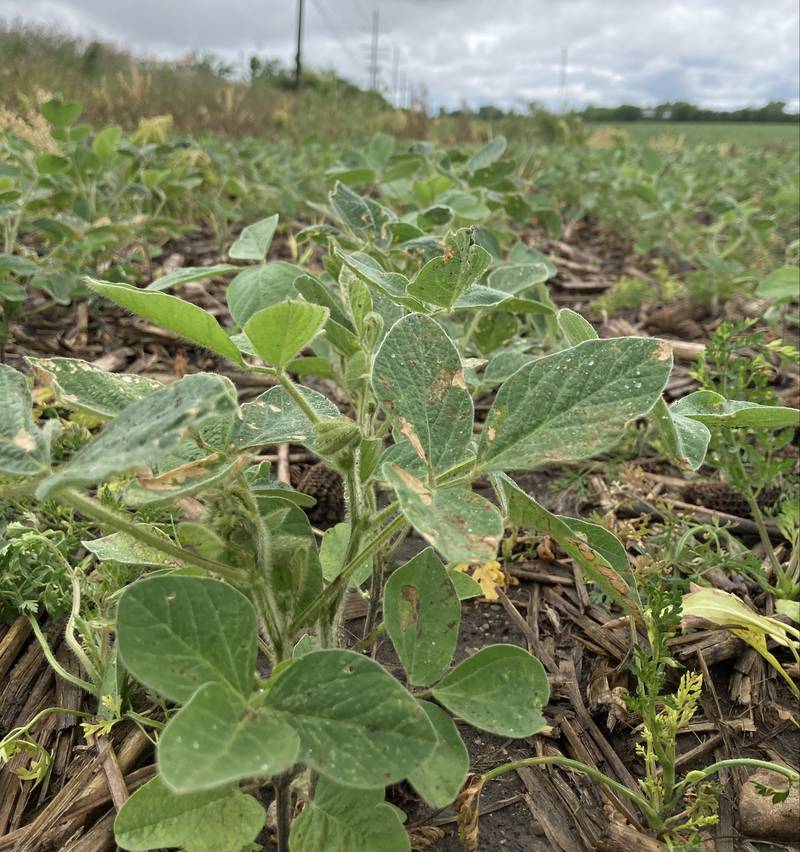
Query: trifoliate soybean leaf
[
  {"x": 148, "y": 429},
  {"x": 710, "y": 408},
  {"x": 191, "y": 273},
  {"x": 444, "y": 279},
  {"x": 573, "y": 404},
  {"x": 574, "y": 327},
  {"x": 464, "y": 585},
  {"x": 422, "y": 614},
  {"x": 184, "y": 318},
  {"x": 686, "y": 440},
  {"x": 781, "y": 285},
  {"x": 216, "y": 739},
  {"x": 154, "y": 817},
  {"x": 517, "y": 278},
  {"x": 254, "y": 241},
  {"x": 86, "y": 388},
  {"x": 461, "y": 525},
  {"x": 259, "y": 287},
  {"x": 501, "y": 689},
  {"x": 176, "y": 634},
  {"x": 24, "y": 448},
  {"x": 356, "y": 723},
  {"x": 488, "y": 154},
  {"x": 332, "y": 552},
  {"x": 124, "y": 548},
  {"x": 440, "y": 778},
  {"x": 275, "y": 418},
  {"x": 340, "y": 819},
  {"x": 614, "y": 578},
  {"x": 280, "y": 332},
  {"x": 418, "y": 379}
]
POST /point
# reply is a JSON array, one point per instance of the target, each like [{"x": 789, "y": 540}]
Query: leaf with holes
[
  {"x": 148, "y": 429},
  {"x": 422, "y": 613},
  {"x": 176, "y": 634},
  {"x": 418, "y": 378},
  {"x": 86, "y": 388},
  {"x": 280, "y": 332},
  {"x": 573, "y": 404},
  {"x": 356, "y": 723},
  {"x": 154, "y": 817},
  {"x": 501, "y": 689},
  {"x": 461, "y": 525},
  {"x": 216, "y": 738}
]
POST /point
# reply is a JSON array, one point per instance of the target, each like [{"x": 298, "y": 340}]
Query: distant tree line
[{"x": 774, "y": 111}]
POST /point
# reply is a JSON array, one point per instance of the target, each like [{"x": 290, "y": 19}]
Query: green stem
[
  {"x": 654, "y": 819},
  {"x": 55, "y": 665},
  {"x": 291, "y": 388},
  {"x": 693, "y": 778},
  {"x": 94, "y": 509},
  {"x": 16, "y": 733}
]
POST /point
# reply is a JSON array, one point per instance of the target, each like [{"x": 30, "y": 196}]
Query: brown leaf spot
[
  {"x": 409, "y": 614},
  {"x": 664, "y": 350},
  {"x": 408, "y": 430},
  {"x": 24, "y": 441}
]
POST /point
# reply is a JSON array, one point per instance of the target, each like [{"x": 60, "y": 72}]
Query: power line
[{"x": 334, "y": 31}]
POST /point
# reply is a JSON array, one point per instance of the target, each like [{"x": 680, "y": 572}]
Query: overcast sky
[{"x": 719, "y": 53}]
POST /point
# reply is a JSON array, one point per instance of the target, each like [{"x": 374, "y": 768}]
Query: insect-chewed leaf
[
  {"x": 176, "y": 634},
  {"x": 442, "y": 280},
  {"x": 418, "y": 378},
  {"x": 258, "y": 287},
  {"x": 24, "y": 448},
  {"x": 254, "y": 241},
  {"x": 340, "y": 819},
  {"x": 216, "y": 739},
  {"x": 184, "y": 318},
  {"x": 188, "y": 274},
  {"x": 274, "y": 418},
  {"x": 439, "y": 779},
  {"x": 598, "y": 552},
  {"x": 686, "y": 439},
  {"x": 712, "y": 409},
  {"x": 282, "y": 331},
  {"x": 461, "y": 525},
  {"x": 154, "y": 817},
  {"x": 501, "y": 689},
  {"x": 84, "y": 387},
  {"x": 356, "y": 723},
  {"x": 422, "y": 613},
  {"x": 148, "y": 429},
  {"x": 573, "y": 404}
]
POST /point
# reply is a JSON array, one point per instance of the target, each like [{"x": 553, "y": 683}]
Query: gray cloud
[{"x": 720, "y": 53}]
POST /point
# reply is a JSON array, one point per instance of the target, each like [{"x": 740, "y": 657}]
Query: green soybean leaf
[
  {"x": 418, "y": 378},
  {"x": 191, "y": 273},
  {"x": 686, "y": 439},
  {"x": 443, "y": 280},
  {"x": 86, "y": 388},
  {"x": 365, "y": 218},
  {"x": 176, "y": 634},
  {"x": 574, "y": 327},
  {"x": 332, "y": 552},
  {"x": 216, "y": 739},
  {"x": 461, "y": 525},
  {"x": 501, "y": 689},
  {"x": 781, "y": 285},
  {"x": 422, "y": 613},
  {"x": 356, "y": 723},
  {"x": 600, "y": 559},
  {"x": 259, "y": 287},
  {"x": 105, "y": 144},
  {"x": 124, "y": 548},
  {"x": 154, "y": 817},
  {"x": 711, "y": 409},
  {"x": 464, "y": 585},
  {"x": 390, "y": 284},
  {"x": 280, "y": 332},
  {"x": 275, "y": 418},
  {"x": 184, "y": 318},
  {"x": 254, "y": 241},
  {"x": 573, "y": 404},
  {"x": 517, "y": 277},
  {"x": 440, "y": 778},
  {"x": 148, "y": 429},
  {"x": 340, "y": 819},
  {"x": 602, "y": 541},
  {"x": 24, "y": 448},
  {"x": 488, "y": 154},
  {"x": 17, "y": 265},
  {"x": 60, "y": 114}
]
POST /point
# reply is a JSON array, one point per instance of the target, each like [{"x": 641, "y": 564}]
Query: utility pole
[
  {"x": 562, "y": 82},
  {"x": 373, "y": 66},
  {"x": 396, "y": 75},
  {"x": 298, "y": 57}
]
